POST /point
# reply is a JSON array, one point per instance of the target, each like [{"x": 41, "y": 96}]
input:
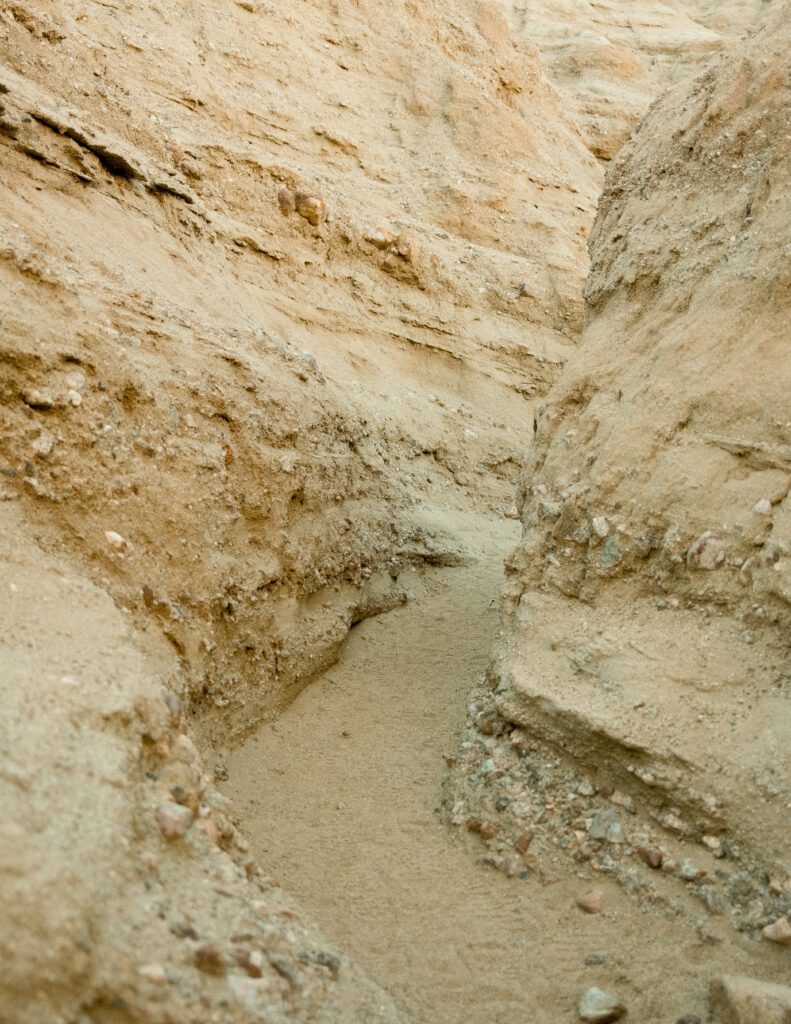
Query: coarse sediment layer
[{"x": 648, "y": 607}]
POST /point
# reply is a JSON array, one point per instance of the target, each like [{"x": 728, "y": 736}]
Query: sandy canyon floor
[{"x": 340, "y": 798}]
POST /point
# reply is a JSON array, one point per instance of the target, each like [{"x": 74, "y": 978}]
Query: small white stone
[
  {"x": 600, "y": 526},
  {"x": 154, "y": 973},
  {"x": 673, "y": 823},
  {"x": 763, "y": 507},
  {"x": 599, "y": 1007},
  {"x": 43, "y": 444},
  {"x": 173, "y": 819},
  {"x": 381, "y": 239},
  {"x": 116, "y": 541}
]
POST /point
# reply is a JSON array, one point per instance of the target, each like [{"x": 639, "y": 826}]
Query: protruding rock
[
  {"x": 591, "y": 902},
  {"x": 689, "y": 870},
  {"x": 606, "y": 825},
  {"x": 38, "y": 399},
  {"x": 600, "y": 526},
  {"x": 286, "y": 201},
  {"x": 708, "y": 552},
  {"x": 173, "y": 819},
  {"x": 379, "y": 238},
  {"x": 489, "y": 829},
  {"x": 739, "y": 1000},
  {"x": 310, "y": 207},
  {"x": 779, "y": 931},
  {"x": 650, "y": 856},
  {"x": 406, "y": 247},
  {"x": 599, "y": 1007},
  {"x": 116, "y": 541}
]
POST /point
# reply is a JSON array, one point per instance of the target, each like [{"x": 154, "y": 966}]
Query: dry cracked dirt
[{"x": 395, "y": 515}]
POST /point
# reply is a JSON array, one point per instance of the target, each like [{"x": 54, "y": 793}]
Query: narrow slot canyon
[
  {"x": 395, "y": 512},
  {"x": 341, "y": 800}
]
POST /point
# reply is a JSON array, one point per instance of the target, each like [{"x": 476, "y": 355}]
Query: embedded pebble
[
  {"x": 285, "y": 200},
  {"x": 489, "y": 829},
  {"x": 763, "y": 507},
  {"x": 312, "y": 208},
  {"x": 689, "y": 871},
  {"x": 708, "y": 552},
  {"x": 622, "y": 800},
  {"x": 673, "y": 823},
  {"x": 405, "y": 247},
  {"x": 779, "y": 931},
  {"x": 606, "y": 825},
  {"x": 116, "y": 541},
  {"x": 600, "y": 526},
  {"x": 173, "y": 819},
  {"x": 254, "y": 964},
  {"x": 591, "y": 902},
  {"x": 210, "y": 829},
  {"x": 43, "y": 444},
  {"x": 650, "y": 856},
  {"x": 38, "y": 399},
  {"x": 610, "y": 554},
  {"x": 379, "y": 238},
  {"x": 174, "y": 705},
  {"x": 599, "y": 1007}
]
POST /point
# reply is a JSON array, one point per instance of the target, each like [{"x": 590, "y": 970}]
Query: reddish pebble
[
  {"x": 651, "y": 856},
  {"x": 591, "y": 902}
]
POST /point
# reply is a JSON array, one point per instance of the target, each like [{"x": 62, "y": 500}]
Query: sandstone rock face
[
  {"x": 252, "y": 402},
  {"x": 609, "y": 60},
  {"x": 648, "y": 612},
  {"x": 277, "y": 282},
  {"x": 108, "y": 894}
]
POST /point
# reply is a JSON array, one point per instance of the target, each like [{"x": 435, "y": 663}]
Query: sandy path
[{"x": 339, "y": 799}]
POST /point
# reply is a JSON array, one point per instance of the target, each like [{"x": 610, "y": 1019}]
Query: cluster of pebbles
[{"x": 530, "y": 810}]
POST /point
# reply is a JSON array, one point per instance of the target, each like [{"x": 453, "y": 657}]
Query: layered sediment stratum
[{"x": 648, "y": 607}]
